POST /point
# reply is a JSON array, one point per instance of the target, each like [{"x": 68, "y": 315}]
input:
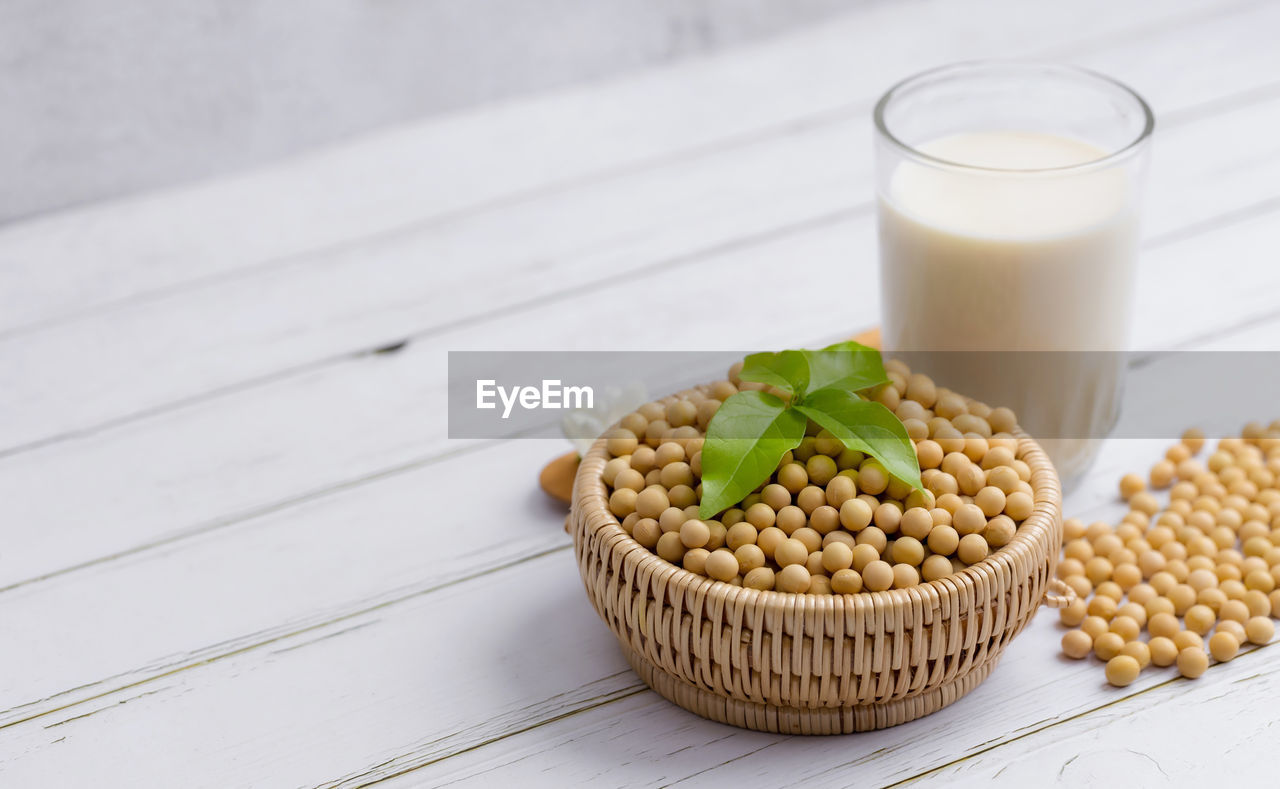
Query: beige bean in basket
[{"x": 814, "y": 663}]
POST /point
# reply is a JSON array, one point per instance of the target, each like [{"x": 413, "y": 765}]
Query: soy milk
[{"x": 1018, "y": 258}]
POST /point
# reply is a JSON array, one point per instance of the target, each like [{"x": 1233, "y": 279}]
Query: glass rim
[{"x": 1110, "y": 159}]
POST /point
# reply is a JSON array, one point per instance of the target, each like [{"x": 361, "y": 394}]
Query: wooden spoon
[{"x": 557, "y": 476}]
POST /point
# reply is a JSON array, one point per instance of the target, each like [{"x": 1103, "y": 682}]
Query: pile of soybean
[
  {"x": 1201, "y": 572},
  {"x": 829, "y": 520}
]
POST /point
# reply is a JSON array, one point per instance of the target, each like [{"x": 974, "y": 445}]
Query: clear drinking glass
[{"x": 1008, "y": 197}]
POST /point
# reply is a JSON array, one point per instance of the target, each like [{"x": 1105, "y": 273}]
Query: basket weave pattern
[{"x": 813, "y": 663}]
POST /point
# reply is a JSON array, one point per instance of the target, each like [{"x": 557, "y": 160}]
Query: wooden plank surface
[
  {"x": 474, "y": 640},
  {"x": 371, "y": 403},
  {"x": 146, "y": 247},
  {"x": 323, "y": 307},
  {"x": 240, "y": 548}
]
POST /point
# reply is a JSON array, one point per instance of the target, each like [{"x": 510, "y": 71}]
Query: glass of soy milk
[{"x": 1008, "y": 200}]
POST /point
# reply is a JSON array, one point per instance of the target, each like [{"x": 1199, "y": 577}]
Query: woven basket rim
[{"x": 590, "y": 498}]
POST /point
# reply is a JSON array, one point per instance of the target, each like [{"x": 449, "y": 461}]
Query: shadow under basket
[{"x": 815, "y": 663}]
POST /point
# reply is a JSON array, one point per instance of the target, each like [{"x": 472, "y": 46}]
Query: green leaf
[
  {"x": 867, "y": 427},
  {"x": 845, "y": 365},
  {"x": 787, "y": 370},
  {"x": 746, "y": 438}
]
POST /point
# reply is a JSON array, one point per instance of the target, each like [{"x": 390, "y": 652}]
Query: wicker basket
[{"x": 814, "y": 663}]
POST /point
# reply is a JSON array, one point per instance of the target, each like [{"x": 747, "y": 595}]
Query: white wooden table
[{"x": 240, "y": 550}]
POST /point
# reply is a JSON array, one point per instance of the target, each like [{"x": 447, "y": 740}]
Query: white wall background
[{"x": 106, "y": 97}]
